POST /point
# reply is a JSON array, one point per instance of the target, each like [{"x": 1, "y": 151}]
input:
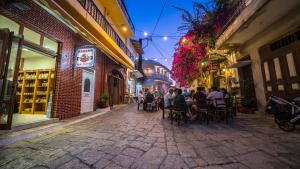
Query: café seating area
[{"x": 224, "y": 110}]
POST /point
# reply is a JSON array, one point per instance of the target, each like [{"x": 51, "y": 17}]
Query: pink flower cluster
[
  {"x": 190, "y": 52},
  {"x": 193, "y": 48}
]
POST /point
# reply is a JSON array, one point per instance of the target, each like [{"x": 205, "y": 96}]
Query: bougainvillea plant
[{"x": 193, "y": 47}]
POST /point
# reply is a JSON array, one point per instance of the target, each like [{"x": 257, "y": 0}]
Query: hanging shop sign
[{"x": 85, "y": 57}]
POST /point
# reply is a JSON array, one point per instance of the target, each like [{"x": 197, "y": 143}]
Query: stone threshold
[{"x": 40, "y": 128}]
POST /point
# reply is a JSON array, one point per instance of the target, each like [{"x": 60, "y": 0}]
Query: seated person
[
  {"x": 179, "y": 102},
  {"x": 185, "y": 93},
  {"x": 149, "y": 98},
  {"x": 192, "y": 93},
  {"x": 216, "y": 97},
  {"x": 199, "y": 100},
  {"x": 168, "y": 99}
]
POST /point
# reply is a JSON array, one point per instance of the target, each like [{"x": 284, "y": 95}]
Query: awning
[
  {"x": 137, "y": 74},
  {"x": 240, "y": 64}
]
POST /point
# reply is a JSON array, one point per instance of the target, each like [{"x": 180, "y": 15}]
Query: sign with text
[{"x": 85, "y": 57}]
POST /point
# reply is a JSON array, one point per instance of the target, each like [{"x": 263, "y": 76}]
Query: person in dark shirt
[
  {"x": 192, "y": 93},
  {"x": 149, "y": 98},
  {"x": 200, "y": 97},
  {"x": 179, "y": 102}
]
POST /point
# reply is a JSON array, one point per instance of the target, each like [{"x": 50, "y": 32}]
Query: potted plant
[{"x": 104, "y": 100}]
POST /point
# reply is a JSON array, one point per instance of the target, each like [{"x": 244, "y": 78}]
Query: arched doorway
[{"x": 116, "y": 87}]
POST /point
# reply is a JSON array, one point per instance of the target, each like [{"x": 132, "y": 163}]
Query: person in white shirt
[
  {"x": 168, "y": 99},
  {"x": 140, "y": 99},
  {"x": 216, "y": 96}
]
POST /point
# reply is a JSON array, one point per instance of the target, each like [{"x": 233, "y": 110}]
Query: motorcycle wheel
[{"x": 287, "y": 126}]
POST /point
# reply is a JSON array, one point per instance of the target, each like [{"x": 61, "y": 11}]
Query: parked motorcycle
[{"x": 286, "y": 114}]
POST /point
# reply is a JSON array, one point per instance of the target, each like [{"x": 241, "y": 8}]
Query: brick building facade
[{"x": 68, "y": 83}]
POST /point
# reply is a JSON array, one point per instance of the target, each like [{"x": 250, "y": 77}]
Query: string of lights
[{"x": 158, "y": 19}]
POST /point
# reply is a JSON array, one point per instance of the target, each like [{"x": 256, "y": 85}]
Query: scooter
[{"x": 286, "y": 114}]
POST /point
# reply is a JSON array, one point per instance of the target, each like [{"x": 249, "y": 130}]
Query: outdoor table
[{"x": 189, "y": 102}]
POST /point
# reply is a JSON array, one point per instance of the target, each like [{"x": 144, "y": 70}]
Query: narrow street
[{"x": 128, "y": 138}]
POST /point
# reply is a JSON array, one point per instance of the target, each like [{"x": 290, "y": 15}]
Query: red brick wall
[
  {"x": 103, "y": 67},
  {"x": 67, "y": 97}
]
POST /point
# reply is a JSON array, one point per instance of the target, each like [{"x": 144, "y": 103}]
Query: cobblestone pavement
[{"x": 130, "y": 139}]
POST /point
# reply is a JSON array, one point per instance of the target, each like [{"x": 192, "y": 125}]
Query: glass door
[{"x": 10, "y": 47}]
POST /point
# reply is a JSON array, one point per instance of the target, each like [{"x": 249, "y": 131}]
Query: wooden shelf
[{"x": 42, "y": 76}]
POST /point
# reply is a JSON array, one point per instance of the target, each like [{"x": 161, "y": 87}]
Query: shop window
[
  {"x": 269, "y": 88},
  {"x": 291, "y": 64},
  {"x": 280, "y": 87},
  {"x": 10, "y": 24},
  {"x": 267, "y": 72},
  {"x": 277, "y": 68},
  {"x": 295, "y": 86},
  {"x": 50, "y": 44},
  {"x": 32, "y": 36},
  {"x": 87, "y": 86}
]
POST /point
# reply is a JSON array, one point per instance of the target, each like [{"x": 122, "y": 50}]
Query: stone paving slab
[{"x": 127, "y": 138}]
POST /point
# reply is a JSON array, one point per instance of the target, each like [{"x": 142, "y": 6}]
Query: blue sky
[{"x": 144, "y": 14}]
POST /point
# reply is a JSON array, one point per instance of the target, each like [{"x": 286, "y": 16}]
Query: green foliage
[
  {"x": 104, "y": 96},
  {"x": 192, "y": 20}
]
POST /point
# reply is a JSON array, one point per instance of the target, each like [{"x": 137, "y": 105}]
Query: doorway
[
  {"x": 27, "y": 80},
  {"x": 247, "y": 88},
  {"x": 116, "y": 87},
  {"x": 35, "y": 86},
  {"x": 87, "y": 96}
]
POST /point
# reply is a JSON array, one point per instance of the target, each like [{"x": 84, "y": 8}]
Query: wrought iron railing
[
  {"x": 159, "y": 76},
  {"x": 238, "y": 6},
  {"x": 125, "y": 11},
  {"x": 97, "y": 15}
]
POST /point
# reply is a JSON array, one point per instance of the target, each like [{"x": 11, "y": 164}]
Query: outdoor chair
[
  {"x": 221, "y": 109},
  {"x": 149, "y": 107},
  {"x": 231, "y": 109},
  {"x": 161, "y": 105},
  {"x": 204, "y": 112},
  {"x": 178, "y": 115},
  {"x": 154, "y": 106}
]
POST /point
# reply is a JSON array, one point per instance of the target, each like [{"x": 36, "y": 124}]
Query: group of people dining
[
  {"x": 187, "y": 102},
  {"x": 190, "y": 102},
  {"x": 148, "y": 97}
]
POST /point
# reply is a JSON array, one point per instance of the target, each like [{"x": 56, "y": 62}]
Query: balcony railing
[
  {"x": 238, "y": 6},
  {"x": 158, "y": 76},
  {"x": 125, "y": 11},
  {"x": 97, "y": 15}
]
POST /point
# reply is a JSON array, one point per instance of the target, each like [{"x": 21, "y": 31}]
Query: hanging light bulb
[
  {"x": 145, "y": 34},
  {"x": 166, "y": 60},
  {"x": 136, "y": 58},
  {"x": 165, "y": 38}
]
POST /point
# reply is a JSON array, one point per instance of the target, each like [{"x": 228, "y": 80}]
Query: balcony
[
  {"x": 125, "y": 11},
  {"x": 238, "y": 6},
  {"x": 157, "y": 76},
  {"x": 97, "y": 15},
  {"x": 253, "y": 19}
]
